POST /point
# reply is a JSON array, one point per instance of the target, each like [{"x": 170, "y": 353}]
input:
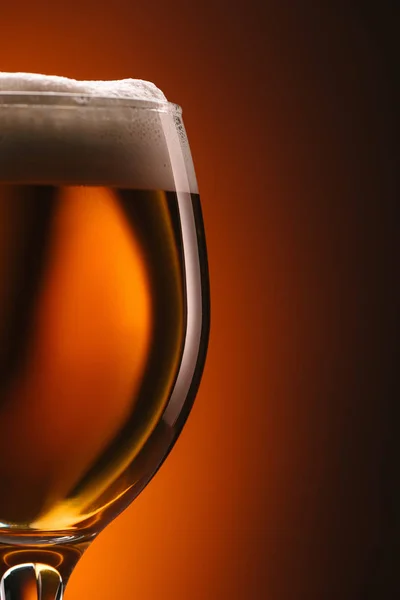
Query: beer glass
[{"x": 104, "y": 318}]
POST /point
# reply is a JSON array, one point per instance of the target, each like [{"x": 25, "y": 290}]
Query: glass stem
[{"x": 31, "y": 581}]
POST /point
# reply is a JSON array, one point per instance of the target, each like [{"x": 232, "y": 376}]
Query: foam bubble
[
  {"x": 136, "y": 89},
  {"x": 103, "y": 144}
]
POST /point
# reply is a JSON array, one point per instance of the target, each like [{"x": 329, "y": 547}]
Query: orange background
[{"x": 281, "y": 484}]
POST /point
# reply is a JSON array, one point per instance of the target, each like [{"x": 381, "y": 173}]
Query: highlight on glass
[{"x": 104, "y": 312}]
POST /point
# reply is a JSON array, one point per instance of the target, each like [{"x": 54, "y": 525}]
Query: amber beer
[
  {"x": 92, "y": 310},
  {"x": 92, "y": 319}
]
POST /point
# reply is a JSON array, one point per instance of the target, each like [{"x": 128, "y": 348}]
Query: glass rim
[{"x": 73, "y": 100}]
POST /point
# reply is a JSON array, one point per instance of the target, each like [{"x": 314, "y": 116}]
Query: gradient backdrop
[{"x": 284, "y": 484}]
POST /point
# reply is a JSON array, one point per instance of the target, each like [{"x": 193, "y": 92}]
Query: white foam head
[
  {"x": 135, "y": 89},
  {"x": 116, "y": 144}
]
